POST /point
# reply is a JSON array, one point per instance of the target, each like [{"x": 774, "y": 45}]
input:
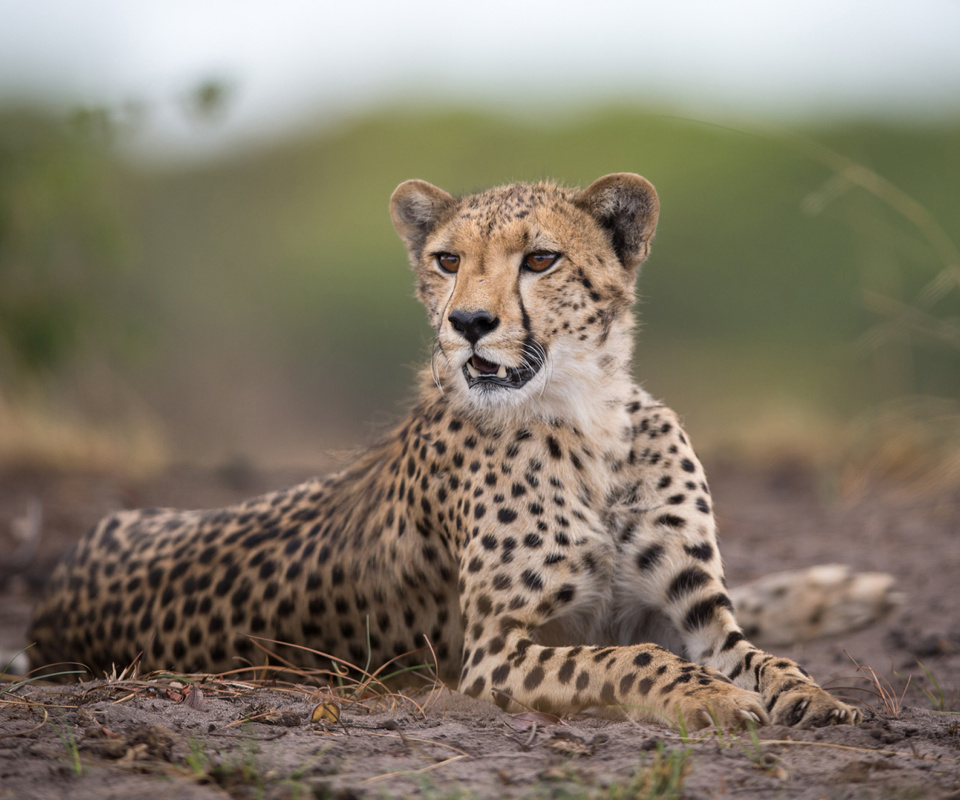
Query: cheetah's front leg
[
  {"x": 508, "y": 595},
  {"x": 672, "y": 561}
]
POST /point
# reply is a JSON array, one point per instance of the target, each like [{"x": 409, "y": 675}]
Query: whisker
[
  {"x": 435, "y": 367},
  {"x": 536, "y": 356}
]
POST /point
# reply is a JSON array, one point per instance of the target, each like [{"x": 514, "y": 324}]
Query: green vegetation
[
  {"x": 63, "y": 240},
  {"x": 73, "y": 759},
  {"x": 660, "y": 777},
  {"x": 282, "y": 268}
]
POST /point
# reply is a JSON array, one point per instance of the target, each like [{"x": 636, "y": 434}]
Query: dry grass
[
  {"x": 913, "y": 441},
  {"x": 890, "y": 702},
  {"x": 36, "y": 433}
]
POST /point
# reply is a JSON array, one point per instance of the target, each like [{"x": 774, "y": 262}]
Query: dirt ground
[{"x": 247, "y": 739}]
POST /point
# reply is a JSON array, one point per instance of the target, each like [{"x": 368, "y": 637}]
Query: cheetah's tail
[{"x": 796, "y": 606}]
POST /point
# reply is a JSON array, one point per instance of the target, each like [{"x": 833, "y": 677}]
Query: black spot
[
  {"x": 484, "y": 605},
  {"x": 554, "y": 446},
  {"x": 702, "y": 552},
  {"x": 703, "y": 612},
  {"x": 676, "y": 499},
  {"x": 154, "y": 577},
  {"x": 502, "y": 582},
  {"x": 565, "y": 593},
  {"x": 608, "y": 695},
  {"x": 169, "y": 622},
  {"x": 506, "y": 515},
  {"x": 500, "y": 674},
  {"x": 532, "y": 580},
  {"x": 687, "y": 465},
  {"x": 670, "y": 520},
  {"x": 583, "y": 680},
  {"x": 702, "y": 505},
  {"x": 650, "y": 558},
  {"x": 642, "y": 659},
  {"x": 687, "y": 581},
  {"x": 534, "y": 678},
  {"x": 226, "y": 582}
]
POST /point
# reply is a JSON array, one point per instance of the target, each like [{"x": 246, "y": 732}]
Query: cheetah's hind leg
[{"x": 796, "y": 606}]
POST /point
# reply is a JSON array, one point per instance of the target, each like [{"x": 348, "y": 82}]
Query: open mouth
[{"x": 480, "y": 372}]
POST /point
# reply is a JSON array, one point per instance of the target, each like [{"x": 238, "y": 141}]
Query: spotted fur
[{"x": 544, "y": 523}]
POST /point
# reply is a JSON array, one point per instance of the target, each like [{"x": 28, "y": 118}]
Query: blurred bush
[{"x": 64, "y": 237}]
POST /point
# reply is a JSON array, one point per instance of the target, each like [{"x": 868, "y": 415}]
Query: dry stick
[
  {"x": 43, "y": 722},
  {"x": 894, "y": 197},
  {"x": 369, "y": 677},
  {"x": 437, "y": 683},
  {"x": 915, "y": 318},
  {"x": 412, "y": 771},
  {"x": 848, "y": 172}
]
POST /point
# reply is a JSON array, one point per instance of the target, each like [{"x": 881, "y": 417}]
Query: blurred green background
[
  {"x": 262, "y": 306},
  {"x": 258, "y": 305}
]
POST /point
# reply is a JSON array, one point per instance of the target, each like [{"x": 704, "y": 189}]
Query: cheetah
[{"x": 538, "y": 520}]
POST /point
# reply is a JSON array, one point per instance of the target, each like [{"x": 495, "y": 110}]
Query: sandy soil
[{"x": 123, "y": 739}]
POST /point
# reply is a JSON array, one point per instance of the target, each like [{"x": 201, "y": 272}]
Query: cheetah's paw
[
  {"x": 722, "y": 705},
  {"x": 809, "y": 706}
]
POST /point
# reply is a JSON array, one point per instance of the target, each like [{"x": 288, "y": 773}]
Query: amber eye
[
  {"x": 448, "y": 262},
  {"x": 540, "y": 262}
]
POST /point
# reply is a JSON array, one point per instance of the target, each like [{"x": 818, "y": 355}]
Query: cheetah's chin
[{"x": 480, "y": 372}]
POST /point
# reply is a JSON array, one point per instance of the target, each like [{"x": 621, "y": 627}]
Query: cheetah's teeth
[
  {"x": 472, "y": 370},
  {"x": 502, "y": 371}
]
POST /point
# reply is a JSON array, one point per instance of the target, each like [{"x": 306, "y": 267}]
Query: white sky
[{"x": 295, "y": 62}]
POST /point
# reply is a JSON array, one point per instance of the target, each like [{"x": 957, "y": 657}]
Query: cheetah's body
[{"x": 545, "y": 524}]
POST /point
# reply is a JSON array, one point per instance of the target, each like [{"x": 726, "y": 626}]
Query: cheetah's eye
[
  {"x": 448, "y": 262},
  {"x": 540, "y": 262}
]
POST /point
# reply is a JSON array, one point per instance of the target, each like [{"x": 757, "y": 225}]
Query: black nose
[{"x": 473, "y": 325}]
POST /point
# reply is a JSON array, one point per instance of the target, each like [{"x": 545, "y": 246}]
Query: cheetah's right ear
[
  {"x": 415, "y": 208},
  {"x": 626, "y": 206}
]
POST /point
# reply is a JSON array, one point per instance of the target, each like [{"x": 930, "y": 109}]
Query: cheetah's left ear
[
  {"x": 416, "y": 207},
  {"x": 626, "y": 206}
]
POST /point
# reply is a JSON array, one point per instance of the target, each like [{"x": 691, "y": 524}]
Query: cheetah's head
[{"x": 529, "y": 286}]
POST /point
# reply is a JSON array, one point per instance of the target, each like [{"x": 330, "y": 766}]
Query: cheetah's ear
[
  {"x": 415, "y": 208},
  {"x": 626, "y": 206}
]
